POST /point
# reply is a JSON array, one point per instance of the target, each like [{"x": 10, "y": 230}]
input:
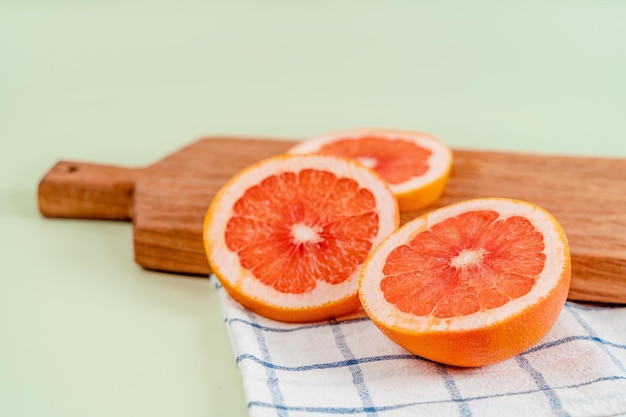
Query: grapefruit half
[
  {"x": 469, "y": 284},
  {"x": 287, "y": 236}
]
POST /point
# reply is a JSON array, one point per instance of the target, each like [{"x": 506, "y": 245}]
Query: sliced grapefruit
[
  {"x": 469, "y": 284},
  {"x": 287, "y": 236},
  {"x": 416, "y": 165}
]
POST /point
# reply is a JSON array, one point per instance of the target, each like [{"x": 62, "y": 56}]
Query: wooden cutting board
[{"x": 167, "y": 202}]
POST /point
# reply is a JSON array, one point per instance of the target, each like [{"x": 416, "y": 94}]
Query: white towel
[{"x": 348, "y": 367}]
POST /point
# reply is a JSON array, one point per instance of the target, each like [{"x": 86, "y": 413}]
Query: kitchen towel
[{"x": 348, "y": 367}]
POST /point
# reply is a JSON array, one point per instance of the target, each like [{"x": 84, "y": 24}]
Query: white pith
[
  {"x": 439, "y": 161},
  {"x": 220, "y": 211},
  {"x": 389, "y": 315}
]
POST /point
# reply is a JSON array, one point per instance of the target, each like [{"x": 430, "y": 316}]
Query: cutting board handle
[{"x": 88, "y": 191}]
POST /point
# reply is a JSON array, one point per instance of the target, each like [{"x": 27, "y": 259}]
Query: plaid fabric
[{"x": 347, "y": 367}]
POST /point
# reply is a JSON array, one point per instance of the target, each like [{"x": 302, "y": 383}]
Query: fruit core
[
  {"x": 468, "y": 257},
  {"x": 302, "y": 234}
]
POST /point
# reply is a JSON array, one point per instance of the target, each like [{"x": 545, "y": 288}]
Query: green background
[{"x": 84, "y": 330}]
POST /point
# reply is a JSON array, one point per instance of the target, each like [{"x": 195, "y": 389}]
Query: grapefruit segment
[
  {"x": 287, "y": 237},
  {"x": 469, "y": 284},
  {"x": 416, "y": 165}
]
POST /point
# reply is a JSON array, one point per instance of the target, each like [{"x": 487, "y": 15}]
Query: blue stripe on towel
[
  {"x": 569, "y": 339},
  {"x": 355, "y": 369},
  {"x": 550, "y": 393},
  {"x": 594, "y": 335},
  {"x": 294, "y": 328},
  {"x": 327, "y": 365},
  {"x": 272, "y": 379},
  {"x": 547, "y": 345},
  {"x": 453, "y": 390}
]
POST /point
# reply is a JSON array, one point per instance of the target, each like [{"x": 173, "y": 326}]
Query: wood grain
[{"x": 169, "y": 199}]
